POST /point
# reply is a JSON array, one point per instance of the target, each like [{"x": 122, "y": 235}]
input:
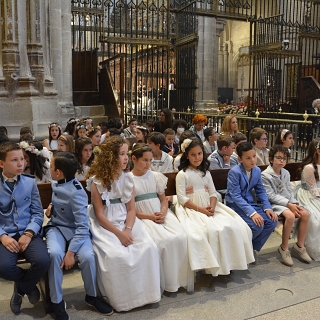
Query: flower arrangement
[
  {"x": 26, "y": 147},
  {"x": 185, "y": 144}
]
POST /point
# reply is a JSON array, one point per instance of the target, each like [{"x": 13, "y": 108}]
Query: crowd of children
[{"x": 129, "y": 245}]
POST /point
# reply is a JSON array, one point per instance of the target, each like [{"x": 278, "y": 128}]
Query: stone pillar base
[
  {"x": 3, "y": 91},
  {"x": 26, "y": 87},
  {"x": 49, "y": 89}
]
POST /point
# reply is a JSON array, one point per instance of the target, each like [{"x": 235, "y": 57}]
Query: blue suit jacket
[
  {"x": 69, "y": 212},
  {"x": 20, "y": 209},
  {"x": 240, "y": 195}
]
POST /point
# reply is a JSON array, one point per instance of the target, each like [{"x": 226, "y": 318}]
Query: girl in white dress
[
  {"x": 164, "y": 228},
  {"x": 84, "y": 154},
  {"x": 35, "y": 163},
  {"x": 218, "y": 239},
  {"x": 308, "y": 195},
  {"x": 54, "y": 134},
  {"x": 128, "y": 267}
]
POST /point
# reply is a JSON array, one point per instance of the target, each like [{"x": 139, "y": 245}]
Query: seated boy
[
  {"x": 258, "y": 137},
  {"x": 161, "y": 161},
  {"x": 276, "y": 180},
  {"x": 244, "y": 185},
  {"x": 211, "y": 136},
  {"x": 68, "y": 236},
  {"x": 169, "y": 146},
  {"x": 238, "y": 138},
  {"x": 20, "y": 223},
  {"x": 220, "y": 158}
]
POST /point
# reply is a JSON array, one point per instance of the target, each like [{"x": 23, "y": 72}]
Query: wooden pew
[{"x": 220, "y": 177}]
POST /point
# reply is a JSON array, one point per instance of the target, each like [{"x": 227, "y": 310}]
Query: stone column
[
  {"x": 209, "y": 29},
  {"x": 67, "y": 97},
  {"x": 56, "y": 44},
  {"x": 26, "y": 80},
  {"x": 3, "y": 91},
  {"x": 10, "y": 49},
  {"x": 34, "y": 47}
]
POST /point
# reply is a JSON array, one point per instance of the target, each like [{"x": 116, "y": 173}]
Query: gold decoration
[
  {"x": 305, "y": 115},
  {"x": 257, "y": 113}
]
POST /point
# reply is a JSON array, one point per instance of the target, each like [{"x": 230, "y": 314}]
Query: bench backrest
[{"x": 219, "y": 177}]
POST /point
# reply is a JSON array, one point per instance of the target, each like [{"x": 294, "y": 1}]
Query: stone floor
[{"x": 268, "y": 290}]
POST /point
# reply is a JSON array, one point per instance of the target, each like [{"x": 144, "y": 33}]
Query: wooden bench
[{"x": 220, "y": 178}]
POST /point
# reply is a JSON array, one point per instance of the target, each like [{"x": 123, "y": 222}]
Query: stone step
[{"x": 84, "y": 111}]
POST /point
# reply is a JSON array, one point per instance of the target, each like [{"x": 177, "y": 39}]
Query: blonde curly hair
[{"x": 106, "y": 164}]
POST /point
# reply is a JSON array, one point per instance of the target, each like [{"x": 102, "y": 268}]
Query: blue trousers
[
  {"x": 57, "y": 246},
  {"x": 36, "y": 254},
  {"x": 259, "y": 234}
]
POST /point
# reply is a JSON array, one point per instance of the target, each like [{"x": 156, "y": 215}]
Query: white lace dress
[
  {"x": 308, "y": 195},
  {"x": 220, "y": 243},
  {"x": 170, "y": 237},
  {"x": 128, "y": 276}
]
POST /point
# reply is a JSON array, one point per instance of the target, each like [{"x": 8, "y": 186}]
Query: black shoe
[
  {"x": 16, "y": 300},
  {"x": 60, "y": 310},
  {"x": 34, "y": 296},
  {"x": 100, "y": 305}
]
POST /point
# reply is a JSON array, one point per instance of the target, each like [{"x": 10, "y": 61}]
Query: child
[
  {"x": 308, "y": 195},
  {"x": 68, "y": 236},
  {"x": 258, "y": 137},
  {"x": 94, "y": 134},
  {"x": 66, "y": 143},
  {"x": 141, "y": 134},
  {"x": 285, "y": 138},
  {"x": 83, "y": 152},
  {"x": 150, "y": 125},
  {"x": 179, "y": 126},
  {"x": 220, "y": 159},
  {"x": 71, "y": 127},
  {"x": 161, "y": 161},
  {"x": 164, "y": 228},
  {"x": 26, "y": 134},
  {"x": 238, "y": 138},
  {"x": 218, "y": 240},
  {"x": 211, "y": 136},
  {"x": 35, "y": 163},
  {"x": 130, "y": 132},
  {"x": 128, "y": 273},
  {"x": 243, "y": 179},
  {"x": 19, "y": 233},
  {"x": 88, "y": 122},
  {"x": 54, "y": 134},
  {"x": 184, "y": 135},
  {"x": 276, "y": 180},
  {"x": 81, "y": 130},
  {"x": 169, "y": 146}
]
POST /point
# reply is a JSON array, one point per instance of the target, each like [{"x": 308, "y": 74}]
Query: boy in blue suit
[
  {"x": 68, "y": 236},
  {"x": 244, "y": 186},
  {"x": 21, "y": 218}
]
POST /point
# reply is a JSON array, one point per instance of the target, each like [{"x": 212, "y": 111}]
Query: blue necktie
[{"x": 11, "y": 184}]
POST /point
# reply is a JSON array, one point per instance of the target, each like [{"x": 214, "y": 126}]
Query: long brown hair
[
  {"x": 106, "y": 164},
  {"x": 225, "y": 127},
  {"x": 312, "y": 157}
]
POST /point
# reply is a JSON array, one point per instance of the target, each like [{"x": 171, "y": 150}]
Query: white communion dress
[
  {"x": 308, "y": 195},
  {"x": 128, "y": 276},
  {"x": 219, "y": 243},
  {"x": 170, "y": 236}
]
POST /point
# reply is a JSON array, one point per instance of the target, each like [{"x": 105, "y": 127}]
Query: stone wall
[{"x": 35, "y": 64}]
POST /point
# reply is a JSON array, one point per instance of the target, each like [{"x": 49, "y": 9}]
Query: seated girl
[
  {"x": 128, "y": 267},
  {"x": 164, "y": 228},
  {"x": 308, "y": 195},
  {"x": 35, "y": 163},
  {"x": 84, "y": 154},
  {"x": 218, "y": 239}
]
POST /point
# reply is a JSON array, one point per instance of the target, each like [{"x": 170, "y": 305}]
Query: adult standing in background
[
  {"x": 229, "y": 125},
  {"x": 199, "y": 124},
  {"x": 166, "y": 121}
]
